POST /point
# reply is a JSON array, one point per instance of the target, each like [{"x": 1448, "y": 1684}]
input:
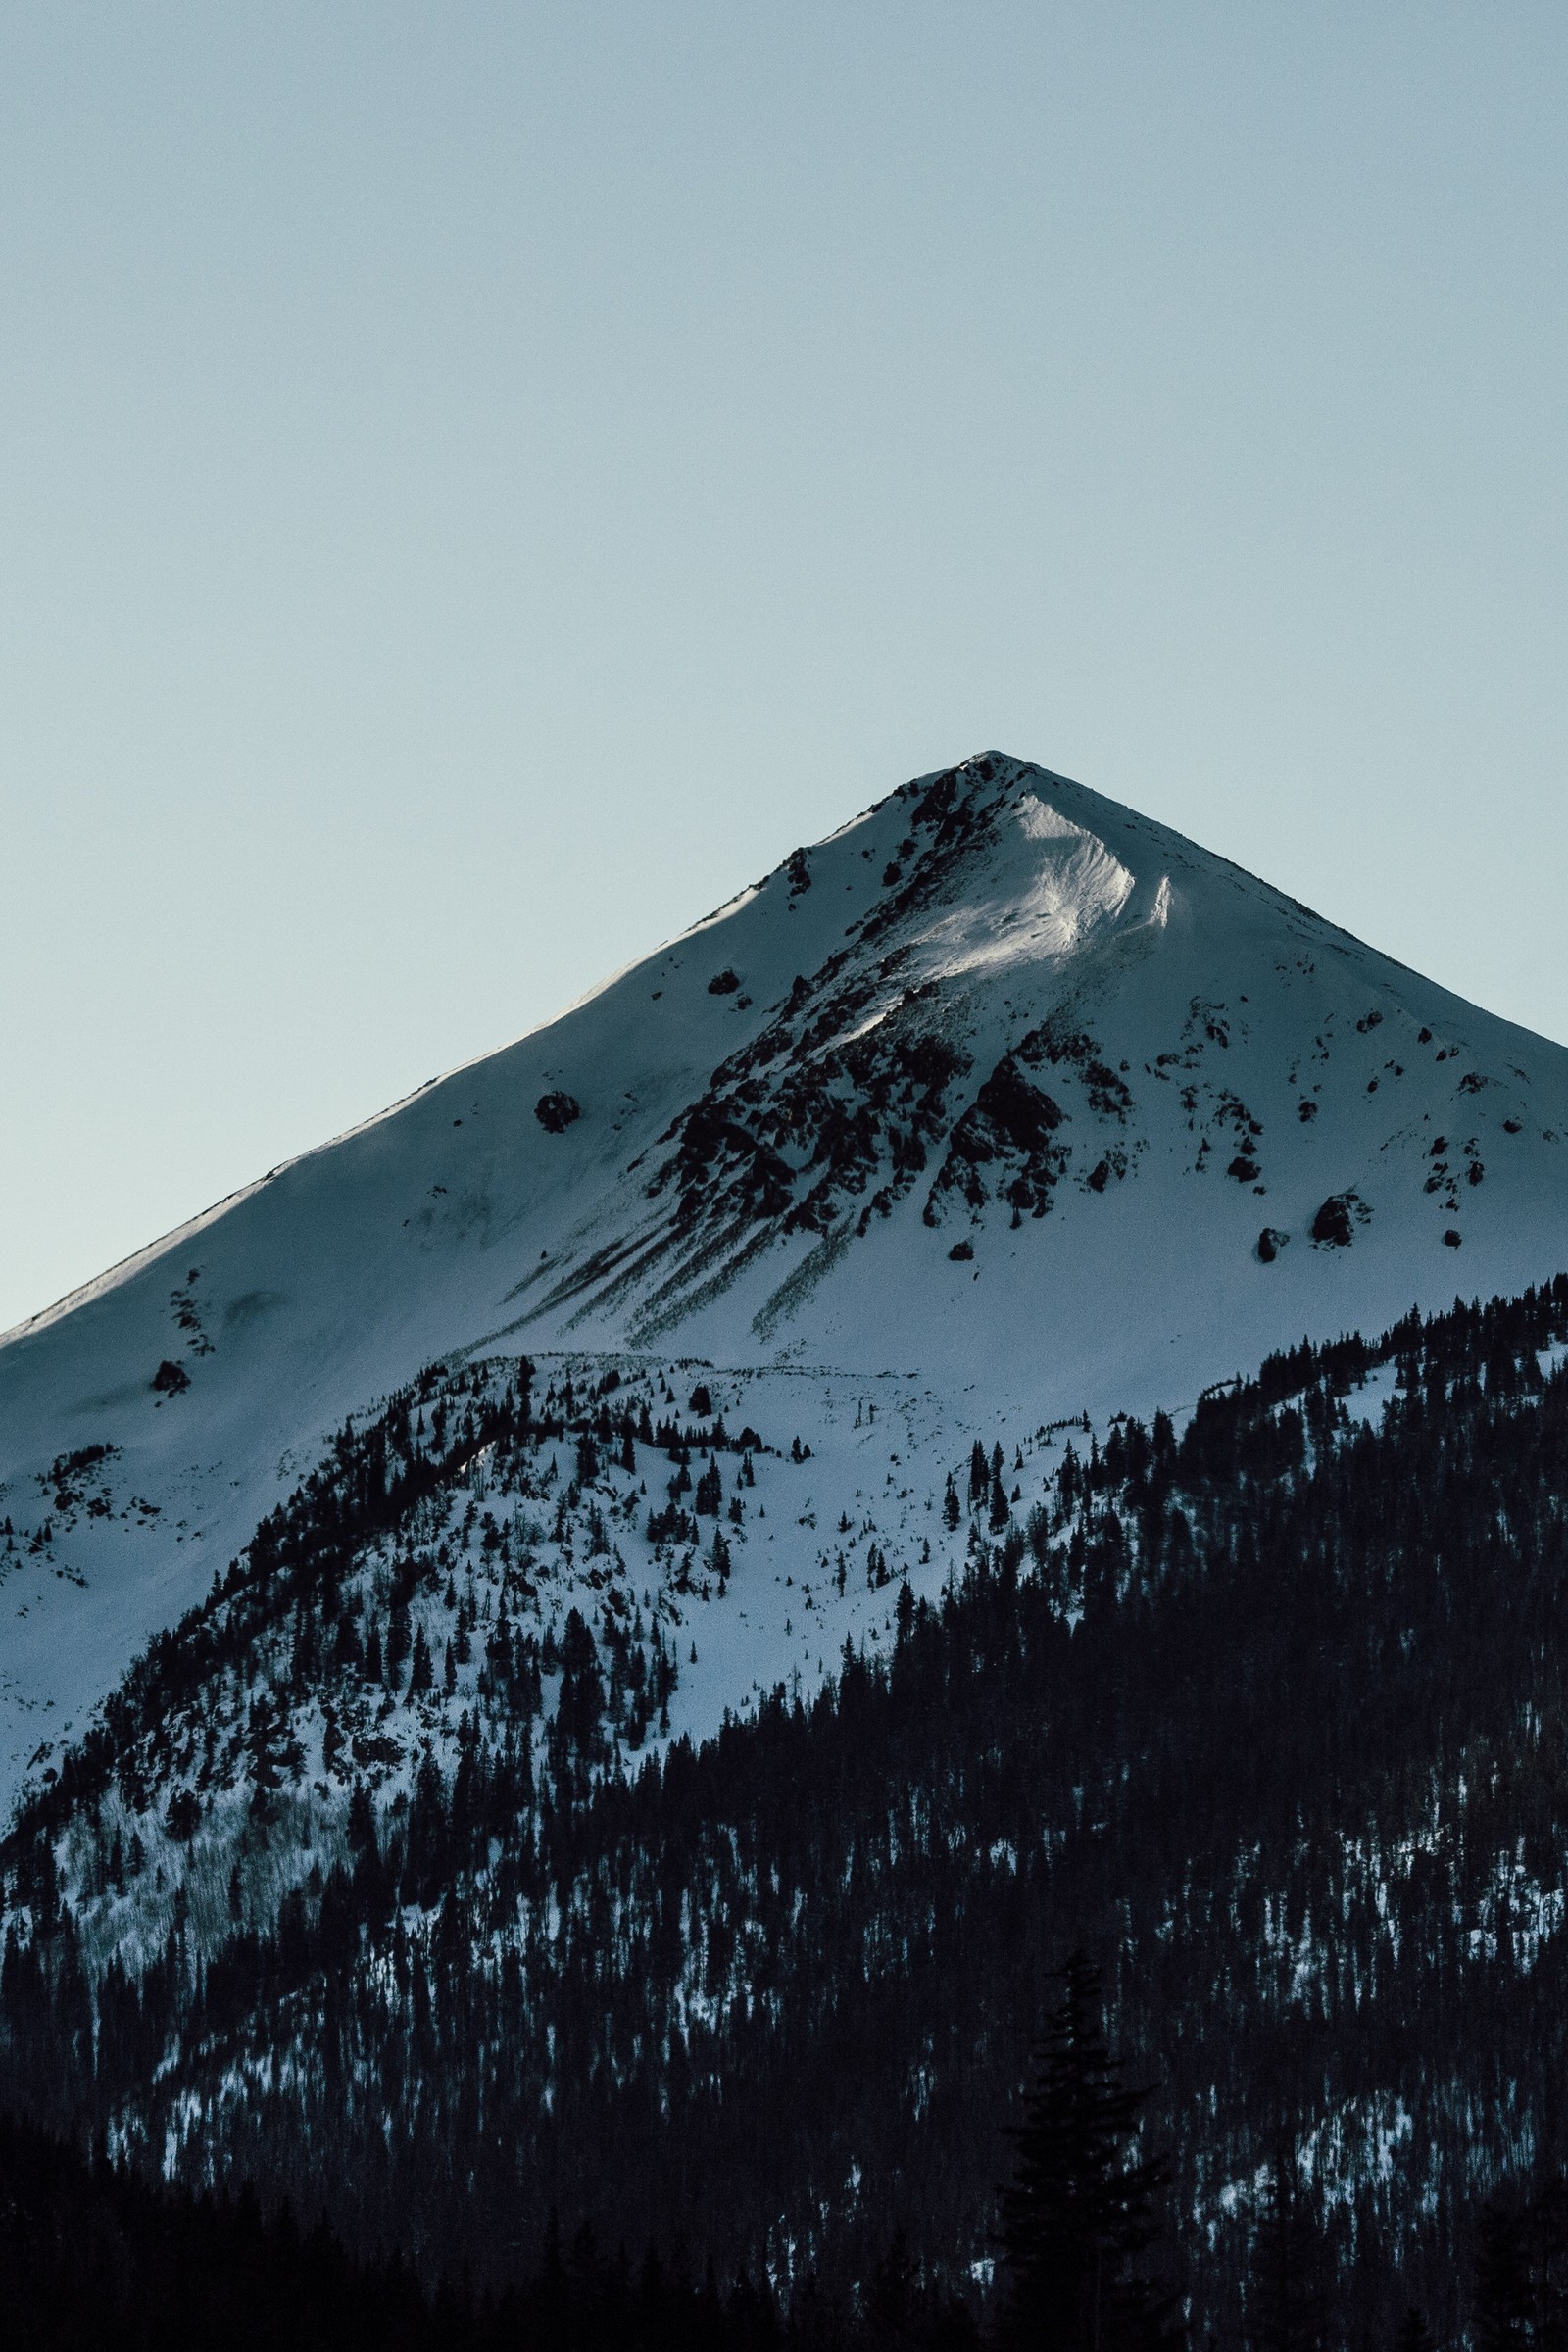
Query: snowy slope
[{"x": 999, "y": 1087}]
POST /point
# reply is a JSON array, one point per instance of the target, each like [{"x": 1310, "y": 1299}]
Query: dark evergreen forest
[
  {"x": 91, "y": 2256},
  {"x": 1269, "y": 1719}
]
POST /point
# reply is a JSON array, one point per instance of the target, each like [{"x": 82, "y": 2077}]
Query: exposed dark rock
[
  {"x": 556, "y": 1112},
  {"x": 1332, "y": 1228}
]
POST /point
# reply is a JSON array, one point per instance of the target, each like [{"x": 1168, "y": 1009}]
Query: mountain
[
  {"x": 1003, "y": 1101},
  {"x": 583, "y": 1646}
]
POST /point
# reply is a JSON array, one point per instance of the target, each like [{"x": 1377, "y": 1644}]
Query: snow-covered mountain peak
[{"x": 1003, "y": 1087}]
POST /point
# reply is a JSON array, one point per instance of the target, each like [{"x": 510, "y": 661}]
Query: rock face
[{"x": 1002, "y": 1086}]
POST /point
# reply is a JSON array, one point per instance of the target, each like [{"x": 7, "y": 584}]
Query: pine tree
[
  {"x": 1505, "y": 2299},
  {"x": 710, "y": 1496},
  {"x": 1285, "y": 2267},
  {"x": 1078, "y": 2217}
]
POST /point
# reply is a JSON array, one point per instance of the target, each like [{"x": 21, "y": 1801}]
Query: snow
[
  {"x": 456, "y": 1226},
  {"x": 1365, "y": 1403}
]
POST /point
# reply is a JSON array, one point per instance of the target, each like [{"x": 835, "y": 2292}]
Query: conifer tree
[
  {"x": 1504, "y": 2301},
  {"x": 1285, "y": 2267},
  {"x": 1077, "y": 2220}
]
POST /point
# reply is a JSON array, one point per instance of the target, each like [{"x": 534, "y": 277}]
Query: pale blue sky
[{"x": 481, "y": 482}]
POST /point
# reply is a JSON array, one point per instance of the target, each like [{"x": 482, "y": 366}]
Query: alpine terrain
[{"x": 584, "y": 1645}]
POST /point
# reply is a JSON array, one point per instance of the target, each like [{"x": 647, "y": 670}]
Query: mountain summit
[{"x": 1001, "y": 1088}]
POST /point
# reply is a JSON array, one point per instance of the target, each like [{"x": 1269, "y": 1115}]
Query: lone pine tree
[
  {"x": 1078, "y": 2217},
  {"x": 1287, "y": 2260}
]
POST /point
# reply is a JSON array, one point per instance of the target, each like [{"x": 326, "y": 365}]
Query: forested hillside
[{"x": 1268, "y": 1714}]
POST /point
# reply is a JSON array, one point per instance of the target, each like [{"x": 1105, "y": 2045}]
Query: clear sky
[{"x": 481, "y": 482}]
